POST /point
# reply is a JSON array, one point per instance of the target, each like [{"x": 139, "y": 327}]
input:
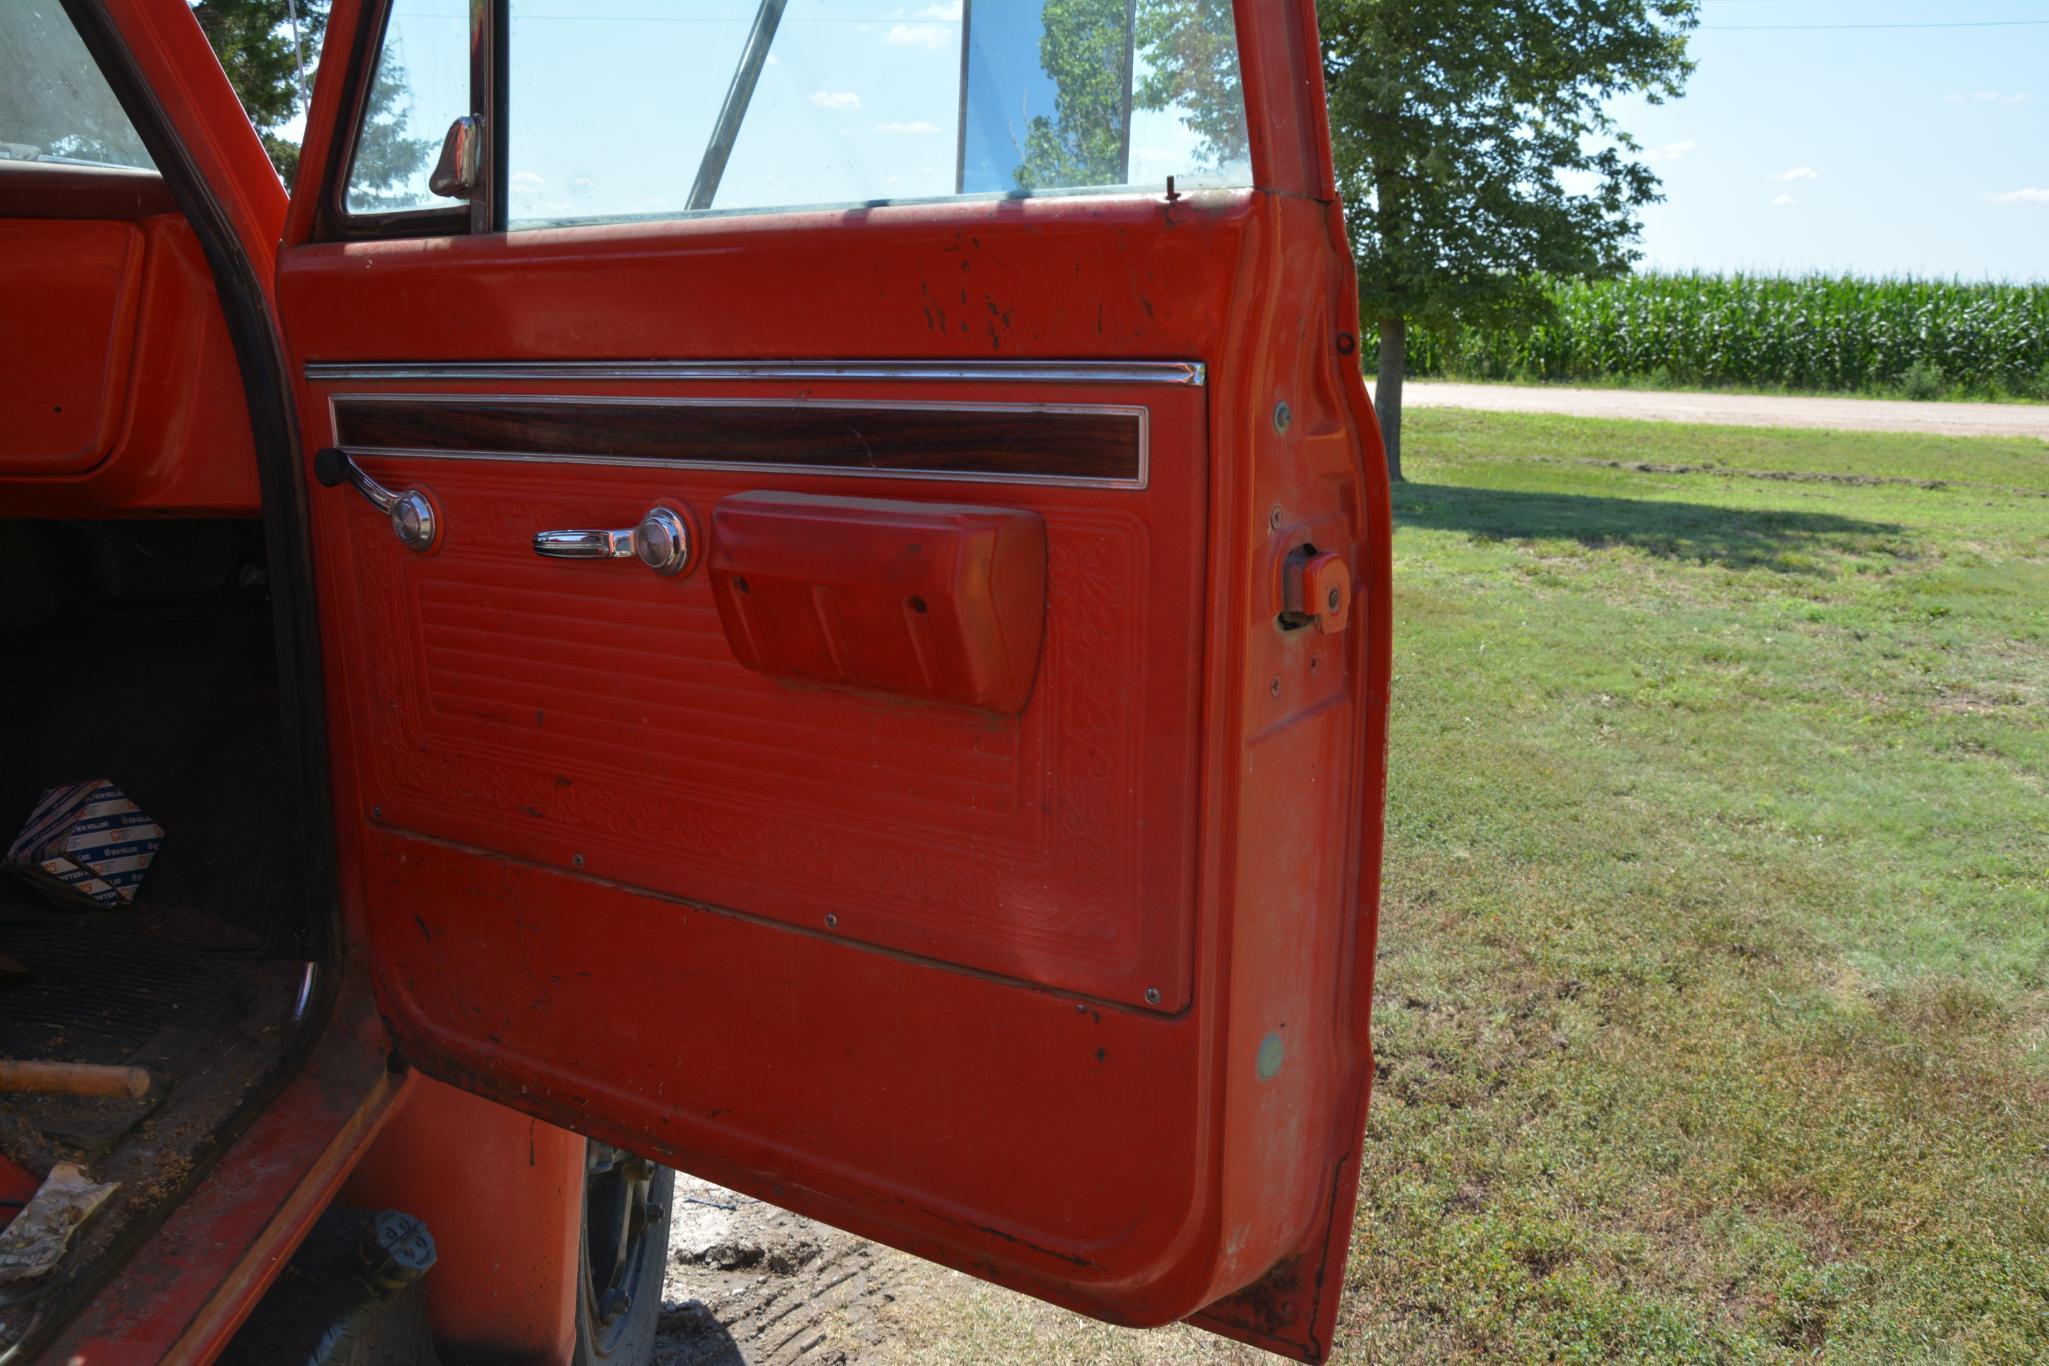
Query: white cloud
[
  {"x": 835, "y": 99},
  {"x": 2032, "y": 195},
  {"x": 1781, "y": 201},
  {"x": 1797, "y": 173},
  {"x": 1671, "y": 151},
  {"x": 915, "y": 35},
  {"x": 919, "y": 126},
  {"x": 1988, "y": 97},
  {"x": 945, "y": 13},
  {"x": 528, "y": 182}
]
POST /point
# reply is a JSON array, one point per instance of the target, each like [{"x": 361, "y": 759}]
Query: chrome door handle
[
  {"x": 412, "y": 515},
  {"x": 662, "y": 542}
]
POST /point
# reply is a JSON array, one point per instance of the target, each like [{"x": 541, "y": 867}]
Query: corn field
[{"x": 1815, "y": 333}]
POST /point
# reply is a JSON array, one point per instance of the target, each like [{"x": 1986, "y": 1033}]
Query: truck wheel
[{"x": 625, "y": 1247}]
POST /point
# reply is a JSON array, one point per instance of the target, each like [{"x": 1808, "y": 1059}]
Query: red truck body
[{"x": 973, "y": 843}]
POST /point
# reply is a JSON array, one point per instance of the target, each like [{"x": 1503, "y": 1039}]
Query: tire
[{"x": 621, "y": 1256}]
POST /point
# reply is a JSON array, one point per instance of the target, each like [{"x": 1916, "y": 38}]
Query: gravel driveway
[
  {"x": 749, "y": 1284},
  {"x": 1740, "y": 410}
]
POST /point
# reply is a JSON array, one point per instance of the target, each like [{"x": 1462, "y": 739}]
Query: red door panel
[
  {"x": 595, "y": 716},
  {"x": 1063, "y": 979}
]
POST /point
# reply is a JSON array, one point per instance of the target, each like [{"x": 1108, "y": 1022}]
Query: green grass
[
  {"x": 1910, "y": 338},
  {"x": 1713, "y": 1015}
]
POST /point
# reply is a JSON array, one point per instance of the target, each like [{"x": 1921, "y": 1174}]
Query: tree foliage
[
  {"x": 1083, "y": 47},
  {"x": 254, "y": 41},
  {"x": 1476, "y": 153},
  {"x": 387, "y": 156},
  {"x": 1191, "y": 63},
  {"x": 1106, "y": 57},
  {"x": 260, "y": 53}
]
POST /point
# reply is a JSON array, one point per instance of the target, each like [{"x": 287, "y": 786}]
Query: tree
[
  {"x": 1475, "y": 153},
  {"x": 1085, "y": 47},
  {"x": 257, "y": 48},
  {"x": 387, "y": 156},
  {"x": 1088, "y": 49}
]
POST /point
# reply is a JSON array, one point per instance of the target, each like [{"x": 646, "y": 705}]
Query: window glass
[
  {"x": 616, "y": 108},
  {"x": 54, "y": 103},
  {"x": 422, "y": 86}
]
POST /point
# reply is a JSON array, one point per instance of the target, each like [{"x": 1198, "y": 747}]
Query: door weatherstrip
[{"x": 1189, "y": 374}]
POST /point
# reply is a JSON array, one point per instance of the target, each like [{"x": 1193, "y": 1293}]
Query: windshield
[{"x": 54, "y": 104}]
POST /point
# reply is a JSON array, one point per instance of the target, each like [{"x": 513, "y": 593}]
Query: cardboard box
[{"x": 86, "y": 845}]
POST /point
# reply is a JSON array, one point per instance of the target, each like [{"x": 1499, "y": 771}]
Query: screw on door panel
[
  {"x": 1152, "y": 996},
  {"x": 1273, "y": 519},
  {"x": 1282, "y": 417}
]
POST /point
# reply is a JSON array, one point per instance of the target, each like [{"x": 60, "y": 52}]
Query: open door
[{"x": 853, "y": 566}]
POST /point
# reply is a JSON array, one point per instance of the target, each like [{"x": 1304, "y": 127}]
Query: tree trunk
[{"x": 1387, "y": 391}]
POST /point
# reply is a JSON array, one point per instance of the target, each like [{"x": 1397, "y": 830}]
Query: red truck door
[{"x": 853, "y": 575}]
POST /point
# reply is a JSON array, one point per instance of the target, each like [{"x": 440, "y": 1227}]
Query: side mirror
[{"x": 455, "y": 173}]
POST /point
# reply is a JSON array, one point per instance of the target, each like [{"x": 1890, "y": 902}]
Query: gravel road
[
  {"x": 749, "y": 1284},
  {"x": 1741, "y": 410}
]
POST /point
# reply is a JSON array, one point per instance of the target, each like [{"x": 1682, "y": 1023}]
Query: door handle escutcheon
[
  {"x": 662, "y": 542},
  {"x": 413, "y": 519}
]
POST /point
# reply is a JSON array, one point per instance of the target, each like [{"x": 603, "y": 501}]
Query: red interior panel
[
  {"x": 120, "y": 394},
  {"x": 934, "y": 602},
  {"x": 71, "y": 289}
]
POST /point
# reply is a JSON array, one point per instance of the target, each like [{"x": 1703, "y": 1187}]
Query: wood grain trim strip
[
  {"x": 1049, "y": 443},
  {"x": 1189, "y": 374}
]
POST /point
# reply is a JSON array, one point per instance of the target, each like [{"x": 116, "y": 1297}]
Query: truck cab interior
[{"x": 138, "y": 646}]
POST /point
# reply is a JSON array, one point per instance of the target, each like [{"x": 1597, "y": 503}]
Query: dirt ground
[
  {"x": 748, "y": 1282},
  {"x": 1740, "y": 410}
]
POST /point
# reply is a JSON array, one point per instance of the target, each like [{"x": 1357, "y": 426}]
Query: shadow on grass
[{"x": 1738, "y": 538}]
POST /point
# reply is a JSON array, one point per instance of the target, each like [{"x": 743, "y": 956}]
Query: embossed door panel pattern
[{"x": 590, "y": 716}]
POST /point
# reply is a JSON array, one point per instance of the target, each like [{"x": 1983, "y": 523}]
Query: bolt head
[
  {"x": 1152, "y": 996},
  {"x": 1283, "y": 418}
]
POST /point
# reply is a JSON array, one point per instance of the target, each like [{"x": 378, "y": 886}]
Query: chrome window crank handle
[
  {"x": 411, "y": 511},
  {"x": 661, "y": 542}
]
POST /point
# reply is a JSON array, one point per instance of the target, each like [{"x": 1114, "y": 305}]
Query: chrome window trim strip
[
  {"x": 1191, "y": 374},
  {"x": 1144, "y": 416}
]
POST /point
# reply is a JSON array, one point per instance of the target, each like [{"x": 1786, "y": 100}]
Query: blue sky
[{"x": 1873, "y": 151}]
